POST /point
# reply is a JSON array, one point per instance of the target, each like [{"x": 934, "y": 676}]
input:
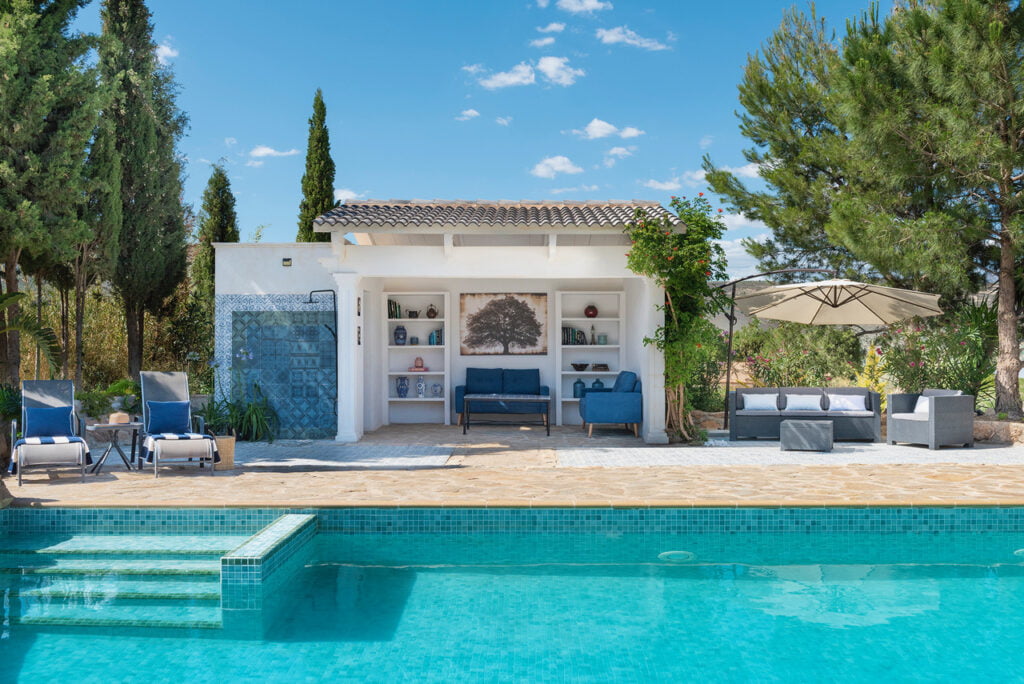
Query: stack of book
[
  {"x": 573, "y": 336},
  {"x": 436, "y": 337},
  {"x": 394, "y": 309}
]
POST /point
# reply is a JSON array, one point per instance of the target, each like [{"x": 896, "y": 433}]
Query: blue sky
[{"x": 471, "y": 99}]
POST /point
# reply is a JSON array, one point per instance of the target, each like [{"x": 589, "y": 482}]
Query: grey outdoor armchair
[{"x": 947, "y": 420}]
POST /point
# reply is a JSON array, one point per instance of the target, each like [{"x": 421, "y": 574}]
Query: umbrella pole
[{"x": 732, "y": 320}]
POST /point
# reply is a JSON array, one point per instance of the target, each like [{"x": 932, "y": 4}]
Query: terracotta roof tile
[{"x": 439, "y": 213}]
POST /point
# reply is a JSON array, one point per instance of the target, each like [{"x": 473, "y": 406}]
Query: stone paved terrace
[{"x": 511, "y": 466}]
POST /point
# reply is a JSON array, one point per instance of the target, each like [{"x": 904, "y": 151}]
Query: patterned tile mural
[{"x": 288, "y": 348}]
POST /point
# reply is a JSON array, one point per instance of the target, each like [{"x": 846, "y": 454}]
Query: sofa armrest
[
  {"x": 545, "y": 391},
  {"x": 595, "y": 390},
  {"x": 460, "y": 398},
  {"x": 901, "y": 403},
  {"x": 951, "y": 406}
]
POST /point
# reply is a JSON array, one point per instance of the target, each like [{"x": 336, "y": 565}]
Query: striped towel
[
  {"x": 149, "y": 444},
  {"x": 33, "y": 441}
]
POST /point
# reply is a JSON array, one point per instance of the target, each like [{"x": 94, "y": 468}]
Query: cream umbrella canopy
[{"x": 839, "y": 302}]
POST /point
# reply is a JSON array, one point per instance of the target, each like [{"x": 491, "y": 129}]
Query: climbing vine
[{"x": 684, "y": 257}]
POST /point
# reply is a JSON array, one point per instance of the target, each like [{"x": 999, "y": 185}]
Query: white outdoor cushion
[
  {"x": 847, "y": 402},
  {"x": 803, "y": 402},
  {"x": 922, "y": 404},
  {"x": 761, "y": 402}
]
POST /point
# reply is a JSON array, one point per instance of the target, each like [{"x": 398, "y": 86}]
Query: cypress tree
[
  {"x": 147, "y": 126},
  {"x": 47, "y": 114},
  {"x": 318, "y": 180},
  {"x": 218, "y": 222}
]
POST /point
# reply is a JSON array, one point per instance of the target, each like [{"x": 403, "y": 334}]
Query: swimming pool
[{"x": 508, "y": 594}]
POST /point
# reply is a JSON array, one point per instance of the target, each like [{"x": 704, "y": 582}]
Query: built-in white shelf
[
  {"x": 609, "y": 322},
  {"x": 397, "y": 357}
]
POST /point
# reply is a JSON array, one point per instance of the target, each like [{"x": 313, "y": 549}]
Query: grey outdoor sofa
[
  {"x": 948, "y": 420},
  {"x": 745, "y": 423}
]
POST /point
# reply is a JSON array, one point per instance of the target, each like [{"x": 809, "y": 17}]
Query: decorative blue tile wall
[{"x": 288, "y": 347}]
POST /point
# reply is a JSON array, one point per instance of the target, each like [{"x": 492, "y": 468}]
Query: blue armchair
[{"x": 622, "y": 403}]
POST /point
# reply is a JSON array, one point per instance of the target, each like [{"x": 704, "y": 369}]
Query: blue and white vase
[
  {"x": 435, "y": 389},
  {"x": 402, "y": 387},
  {"x": 400, "y": 335},
  {"x": 421, "y": 387}
]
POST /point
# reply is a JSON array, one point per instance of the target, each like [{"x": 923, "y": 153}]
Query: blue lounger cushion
[
  {"x": 168, "y": 416},
  {"x": 48, "y": 422}
]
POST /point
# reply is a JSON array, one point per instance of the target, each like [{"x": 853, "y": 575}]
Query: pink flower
[
  {"x": 912, "y": 364},
  {"x": 963, "y": 342},
  {"x": 878, "y": 350}
]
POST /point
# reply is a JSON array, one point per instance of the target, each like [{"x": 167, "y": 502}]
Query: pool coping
[{"x": 495, "y": 504}]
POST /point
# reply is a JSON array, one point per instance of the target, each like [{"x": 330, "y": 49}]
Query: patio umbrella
[{"x": 839, "y": 302}]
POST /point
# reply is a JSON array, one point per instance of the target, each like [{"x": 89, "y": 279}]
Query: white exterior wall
[{"x": 368, "y": 271}]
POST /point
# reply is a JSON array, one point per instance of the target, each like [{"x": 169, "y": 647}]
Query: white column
[
  {"x": 653, "y": 367},
  {"x": 350, "y": 357}
]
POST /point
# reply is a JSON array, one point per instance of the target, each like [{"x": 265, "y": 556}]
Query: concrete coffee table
[{"x": 805, "y": 435}]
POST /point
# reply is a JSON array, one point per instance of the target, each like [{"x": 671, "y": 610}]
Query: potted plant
[{"x": 219, "y": 417}]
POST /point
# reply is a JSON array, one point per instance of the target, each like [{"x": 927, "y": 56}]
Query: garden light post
[{"x": 732, "y": 319}]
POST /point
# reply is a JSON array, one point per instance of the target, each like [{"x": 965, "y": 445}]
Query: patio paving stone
[{"x": 500, "y": 466}]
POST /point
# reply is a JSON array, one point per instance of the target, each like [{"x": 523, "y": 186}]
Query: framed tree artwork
[{"x": 503, "y": 324}]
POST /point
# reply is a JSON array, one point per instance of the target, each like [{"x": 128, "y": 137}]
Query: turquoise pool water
[{"x": 538, "y": 607}]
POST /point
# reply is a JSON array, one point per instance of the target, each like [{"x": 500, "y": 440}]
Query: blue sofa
[
  {"x": 502, "y": 381},
  {"x": 621, "y": 403}
]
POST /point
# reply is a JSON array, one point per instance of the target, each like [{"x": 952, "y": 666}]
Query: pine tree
[
  {"x": 934, "y": 94},
  {"x": 147, "y": 126},
  {"x": 318, "y": 180},
  {"x": 47, "y": 113},
  {"x": 218, "y": 222}
]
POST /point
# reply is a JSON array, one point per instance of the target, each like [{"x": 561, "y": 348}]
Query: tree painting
[{"x": 502, "y": 324}]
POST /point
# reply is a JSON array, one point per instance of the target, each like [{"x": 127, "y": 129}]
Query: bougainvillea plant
[{"x": 684, "y": 257}]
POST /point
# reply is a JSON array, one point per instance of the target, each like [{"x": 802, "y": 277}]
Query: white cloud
[
  {"x": 230, "y": 141},
  {"x": 626, "y": 36},
  {"x": 165, "y": 53},
  {"x": 519, "y": 75},
  {"x": 254, "y": 162},
  {"x": 265, "y": 151},
  {"x": 746, "y": 171},
  {"x": 602, "y": 129},
  {"x": 542, "y": 3},
  {"x": 579, "y": 188},
  {"x": 542, "y": 42},
  {"x": 553, "y": 27},
  {"x": 345, "y": 194},
  {"x": 549, "y": 167},
  {"x": 558, "y": 71},
  {"x": 740, "y": 222},
  {"x": 668, "y": 186},
  {"x": 693, "y": 178},
  {"x": 580, "y": 6},
  {"x": 503, "y": 120},
  {"x": 467, "y": 114},
  {"x": 739, "y": 262},
  {"x": 616, "y": 153},
  {"x": 705, "y": 141},
  {"x": 473, "y": 69}
]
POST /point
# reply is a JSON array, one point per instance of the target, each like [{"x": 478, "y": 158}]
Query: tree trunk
[
  {"x": 65, "y": 330},
  {"x": 135, "y": 318},
  {"x": 1008, "y": 358},
  {"x": 13, "y": 338},
  {"x": 79, "y": 327},
  {"x": 39, "y": 322}
]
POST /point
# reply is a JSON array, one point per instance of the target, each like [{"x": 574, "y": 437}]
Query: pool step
[
  {"x": 62, "y": 565},
  {"x": 140, "y": 546},
  {"x": 34, "y": 611},
  {"x": 107, "y": 587}
]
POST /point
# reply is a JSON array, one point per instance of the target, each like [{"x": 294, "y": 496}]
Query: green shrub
[
  {"x": 10, "y": 403},
  {"x": 704, "y": 390},
  {"x": 798, "y": 355},
  {"x": 954, "y": 351},
  {"x": 95, "y": 403}
]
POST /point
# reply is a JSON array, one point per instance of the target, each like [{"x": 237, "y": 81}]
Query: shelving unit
[
  {"x": 569, "y": 308},
  {"x": 429, "y": 408}
]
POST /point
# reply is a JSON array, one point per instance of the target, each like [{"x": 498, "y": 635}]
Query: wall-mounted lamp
[{"x": 286, "y": 262}]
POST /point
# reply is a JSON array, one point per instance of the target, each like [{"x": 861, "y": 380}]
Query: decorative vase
[
  {"x": 435, "y": 389},
  {"x": 431, "y": 311},
  {"x": 590, "y": 311},
  {"x": 414, "y": 340},
  {"x": 421, "y": 387},
  {"x": 402, "y": 387},
  {"x": 602, "y": 339},
  {"x": 598, "y": 384},
  {"x": 593, "y": 337},
  {"x": 400, "y": 335},
  {"x": 577, "y": 388}
]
